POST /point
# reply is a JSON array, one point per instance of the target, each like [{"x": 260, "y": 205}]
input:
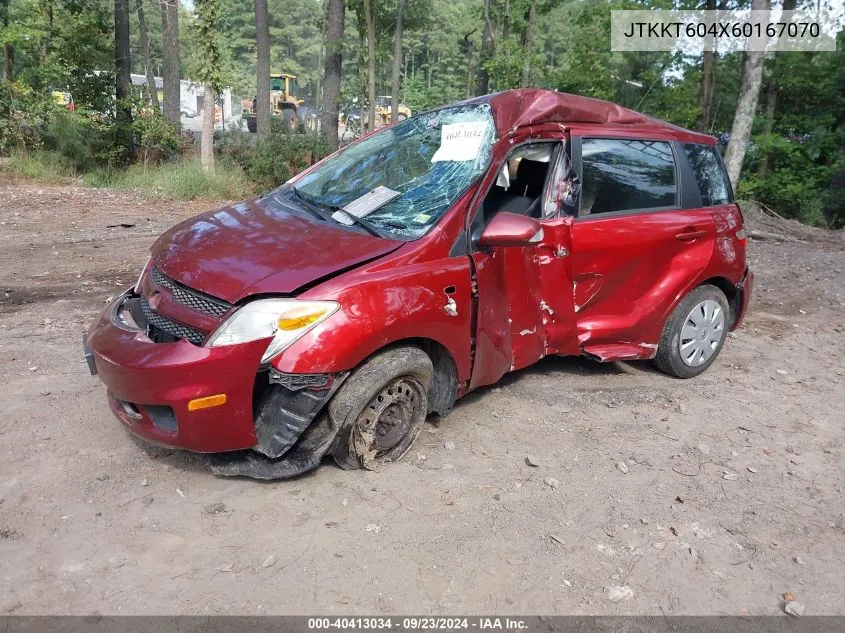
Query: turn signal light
[
  {"x": 207, "y": 402},
  {"x": 299, "y": 317}
]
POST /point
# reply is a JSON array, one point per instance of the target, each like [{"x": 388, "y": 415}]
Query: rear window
[
  {"x": 709, "y": 173},
  {"x": 626, "y": 175}
]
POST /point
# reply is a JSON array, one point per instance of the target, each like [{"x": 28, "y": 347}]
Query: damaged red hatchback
[{"x": 332, "y": 315}]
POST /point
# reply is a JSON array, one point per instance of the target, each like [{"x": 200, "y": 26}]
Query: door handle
[{"x": 690, "y": 233}]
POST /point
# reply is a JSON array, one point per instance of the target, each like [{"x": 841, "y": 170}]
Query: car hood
[{"x": 261, "y": 246}]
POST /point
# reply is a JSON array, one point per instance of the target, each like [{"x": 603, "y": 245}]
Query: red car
[{"x": 332, "y": 315}]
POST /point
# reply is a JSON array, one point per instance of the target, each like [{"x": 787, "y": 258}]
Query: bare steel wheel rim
[
  {"x": 702, "y": 333},
  {"x": 387, "y": 421}
]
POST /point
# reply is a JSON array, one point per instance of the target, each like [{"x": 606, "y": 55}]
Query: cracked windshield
[{"x": 418, "y": 169}]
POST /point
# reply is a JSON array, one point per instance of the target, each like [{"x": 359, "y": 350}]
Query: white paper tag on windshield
[
  {"x": 460, "y": 141},
  {"x": 366, "y": 204}
]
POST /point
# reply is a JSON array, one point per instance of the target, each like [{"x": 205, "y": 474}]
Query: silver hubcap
[{"x": 702, "y": 332}]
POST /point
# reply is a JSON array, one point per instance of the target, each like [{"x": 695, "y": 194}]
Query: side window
[
  {"x": 710, "y": 174},
  {"x": 626, "y": 175}
]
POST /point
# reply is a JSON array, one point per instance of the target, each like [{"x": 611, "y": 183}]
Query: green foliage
[
  {"x": 185, "y": 180},
  {"x": 273, "y": 161},
  {"x": 799, "y": 172},
  {"x": 155, "y": 139},
  {"x": 208, "y": 59},
  {"x": 24, "y": 113},
  {"x": 64, "y": 46},
  {"x": 579, "y": 50},
  {"x": 81, "y": 140}
]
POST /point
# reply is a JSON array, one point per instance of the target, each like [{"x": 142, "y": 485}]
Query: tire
[
  {"x": 252, "y": 124},
  {"x": 694, "y": 333},
  {"x": 381, "y": 408},
  {"x": 289, "y": 119}
]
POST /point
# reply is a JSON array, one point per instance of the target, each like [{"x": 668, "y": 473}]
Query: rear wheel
[
  {"x": 381, "y": 408},
  {"x": 694, "y": 333},
  {"x": 252, "y": 124}
]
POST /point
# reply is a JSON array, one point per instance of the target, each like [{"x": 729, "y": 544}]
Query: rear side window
[
  {"x": 710, "y": 174},
  {"x": 626, "y": 175}
]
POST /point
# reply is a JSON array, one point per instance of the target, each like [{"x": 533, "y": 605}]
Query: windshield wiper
[
  {"x": 309, "y": 206},
  {"x": 316, "y": 208},
  {"x": 355, "y": 219}
]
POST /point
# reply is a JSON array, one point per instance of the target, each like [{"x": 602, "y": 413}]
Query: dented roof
[{"x": 534, "y": 106}]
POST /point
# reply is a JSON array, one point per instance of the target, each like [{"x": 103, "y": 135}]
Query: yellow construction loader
[{"x": 284, "y": 103}]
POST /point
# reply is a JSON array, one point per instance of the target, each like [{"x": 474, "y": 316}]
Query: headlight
[{"x": 286, "y": 320}]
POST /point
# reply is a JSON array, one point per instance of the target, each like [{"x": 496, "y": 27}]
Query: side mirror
[{"x": 511, "y": 229}]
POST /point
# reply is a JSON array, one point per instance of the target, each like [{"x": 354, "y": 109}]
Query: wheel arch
[
  {"x": 731, "y": 292},
  {"x": 444, "y": 385}
]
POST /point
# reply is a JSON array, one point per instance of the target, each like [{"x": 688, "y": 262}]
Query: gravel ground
[{"x": 651, "y": 495}]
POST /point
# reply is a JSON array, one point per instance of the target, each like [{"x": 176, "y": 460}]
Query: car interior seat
[{"x": 523, "y": 196}]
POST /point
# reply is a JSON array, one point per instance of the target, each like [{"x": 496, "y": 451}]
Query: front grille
[
  {"x": 164, "y": 330},
  {"x": 190, "y": 298}
]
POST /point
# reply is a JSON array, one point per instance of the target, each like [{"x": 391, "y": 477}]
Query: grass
[
  {"x": 181, "y": 180},
  {"x": 47, "y": 167}
]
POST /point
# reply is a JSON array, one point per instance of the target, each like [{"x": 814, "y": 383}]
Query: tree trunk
[
  {"x": 708, "y": 79},
  {"x": 170, "y": 68},
  {"x": 123, "y": 81},
  {"x": 371, "y": 64},
  {"x": 152, "y": 91},
  {"x": 506, "y": 21},
  {"x": 427, "y": 65},
  {"x": 397, "y": 63},
  {"x": 262, "y": 47},
  {"x": 529, "y": 45},
  {"x": 470, "y": 48},
  {"x": 8, "y": 51},
  {"x": 482, "y": 86},
  {"x": 335, "y": 20},
  {"x": 772, "y": 90},
  {"x": 705, "y": 91},
  {"x": 45, "y": 44},
  {"x": 752, "y": 78},
  {"x": 8, "y": 62},
  {"x": 207, "y": 135}
]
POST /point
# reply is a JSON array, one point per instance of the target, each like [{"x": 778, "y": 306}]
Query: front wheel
[
  {"x": 694, "y": 333},
  {"x": 289, "y": 119},
  {"x": 381, "y": 408}
]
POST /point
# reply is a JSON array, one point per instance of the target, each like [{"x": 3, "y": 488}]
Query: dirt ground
[{"x": 732, "y": 492}]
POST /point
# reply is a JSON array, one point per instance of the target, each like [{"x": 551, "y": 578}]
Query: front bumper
[
  {"x": 275, "y": 415},
  {"x": 745, "y": 286},
  {"x": 150, "y": 384}
]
